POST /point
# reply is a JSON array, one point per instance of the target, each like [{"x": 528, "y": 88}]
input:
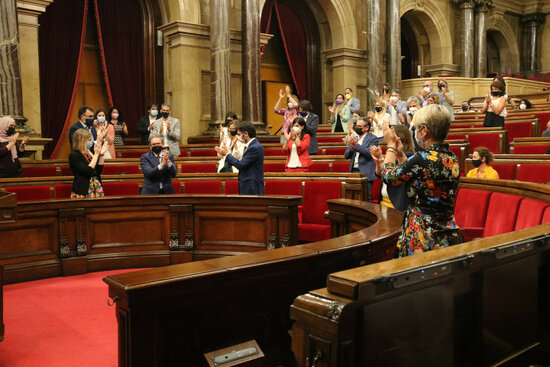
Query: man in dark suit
[
  {"x": 147, "y": 123},
  {"x": 86, "y": 121},
  {"x": 158, "y": 167},
  {"x": 359, "y": 151},
  {"x": 251, "y": 165},
  {"x": 312, "y": 122}
]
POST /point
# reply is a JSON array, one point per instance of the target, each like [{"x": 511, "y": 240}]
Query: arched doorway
[
  {"x": 409, "y": 51},
  {"x": 493, "y": 54}
]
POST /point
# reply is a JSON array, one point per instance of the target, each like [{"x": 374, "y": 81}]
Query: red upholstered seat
[
  {"x": 470, "y": 212},
  {"x": 31, "y": 193},
  {"x": 319, "y": 167},
  {"x": 335, "y": 151},
  {"x": 63, "y": 191},
  {"x": 66, "y": 171},
  {"x": 203, "y": 153},
  {"x": 314, "y": 226},
  {"x": 231, "y": 188},
  {"x": 39, "y": 171},
  {"x": 545, "y": 216},
  {"x": 456, "y": 136},
  {"x": 489, "y": 140},
  {"x": 340, "y": 167},
  {"x": 518, "y": 130},
  {"x": 120, "y": 169},
  {"x": 120, "y": 188},
  {"x": 506, "y": 171},
  {"x": 202, "y": 187},
  {"x": 375, "y": 191},
  {"x": 199, "y": 168},
  {"x": 132, "y": 154},
  {"x": 544, "y": 117},
  {"x": 274, "y": 167},
  {"x": 501, "y": 214},
  {"x": 177, "y": 187},
  {"x": 530, "y": 149},
  {"x": 530, "y": 213},
  {"x": 274, "y": 152},
  {"x": 538, "y": 173},
  {"x": 283, "y": 187}
]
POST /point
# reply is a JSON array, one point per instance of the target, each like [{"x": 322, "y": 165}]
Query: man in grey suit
[
  {"x": 353, "y": 103},
  {"x": 312, "y": 122},
  {"x": 168, "y": 128}
]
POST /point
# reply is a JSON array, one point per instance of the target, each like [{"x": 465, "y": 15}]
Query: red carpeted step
[{"x": 60, "y": 322}]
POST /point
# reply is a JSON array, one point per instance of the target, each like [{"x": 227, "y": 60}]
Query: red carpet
[{"x": 62, "y": 322}]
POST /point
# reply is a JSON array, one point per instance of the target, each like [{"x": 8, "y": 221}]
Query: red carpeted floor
[{"x": 62, "y": 322}]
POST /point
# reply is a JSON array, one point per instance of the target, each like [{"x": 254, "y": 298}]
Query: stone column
[
  {"x": 374, "y": 54},
  {"x": 251, "y": 64},
  {"x": 481, "y": 37},
  {"x": 393, "y": 44},
  {"x": 11, "y": 94},
  {"x": 220, "y": 67},
  {"x": 532, "y": 24},
  {"x": 467, "y": 36}
]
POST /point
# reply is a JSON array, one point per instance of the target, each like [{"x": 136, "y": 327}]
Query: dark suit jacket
[
  {"x": 312, "y": 122},
  {"x": 366, "y": 163},
  {"x": 143, "y": 129},
  {"x": 251, "y": 169},
  {"x": 77, "y": 126},
  {"x": 82, "y": 172},
  {"x": 9, "y": 167},
  {"x": 154, "y": 177}
]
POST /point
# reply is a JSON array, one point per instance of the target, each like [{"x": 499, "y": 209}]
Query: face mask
[
  {"x": 242, "y": 139},
  {"x": 296, "y": 129},
  {"x": 494, "y": 94},
  {"x": 441, "y": 86},
  {"x": 10, "y": 131},
  {"x": 290, "y": 105},
  {"x": 427, "y": 89},
  {"x": 101, "y": 119},
  {"x": 303, "y": 114},
  {"x": 157, "y": 149},
  {"x": 90, "y": 145},
  {"x": 233, "y": 132},
  {"x": 154, "y": 113},
  {"x": 378, "y": 109},
  {"x": 419, "y": 142},
  {"x": 386, "y": 90},
  {"x": 114, "y": 115},
  {"x": 348, "y": 96},
  {"x": 227, "y": 122},
  {"x": 464, "y": 108},
  {"x": 394, "y": 99},
  {"x": 413, "y": 110},
  {"x": 476, "y": 162},
  {"x": 522, "y": 106},
  {"x": 164, "y": 114},
  {"x": 89, "y": 122},
  {"x": 358, "y": 130},
  {"x": 339, "y": 101}
]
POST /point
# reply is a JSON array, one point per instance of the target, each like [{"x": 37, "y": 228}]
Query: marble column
[
  {"x": 11, "y": 94},
  {"x": 467, "y": 36},
  {"x": 393, "y": 44},
  {"x": 220, "y": 67},
  {"x": 481, "y": 38},
  {"x": 251, "y": 64},
  {"x": 374, "y": 52},
  {"x": 532, "y": 24}
]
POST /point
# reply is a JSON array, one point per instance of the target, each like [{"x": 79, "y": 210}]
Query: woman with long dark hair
[
  {"x": 297, "y": 144},
  {"x": 117, "y": 120}
]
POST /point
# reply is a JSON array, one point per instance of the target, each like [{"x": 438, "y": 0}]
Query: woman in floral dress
[{"x": 430, "y": 179}]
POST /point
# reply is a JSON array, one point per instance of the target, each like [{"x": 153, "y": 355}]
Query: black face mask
[
  {"x": 10, "y": 131},
  {"x": 89, "y": 122},
  {"x": 157, "y": 149},
  {"x": 359, "y": 130},
  {"x": 476, "y": 162},
  {"x": 233, "y": 132},
  {"x": 378, "y": 109},
  {"x": 464, "y": 108},
  {"x": 227, "y": 122},
  {"x": 165, "y": 114},
  {"x": 494, "y": 94},
  {"x": 441, "y": 86}
]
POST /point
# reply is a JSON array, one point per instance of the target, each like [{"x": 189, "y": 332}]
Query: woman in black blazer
[{"x": 87, "y": 167}]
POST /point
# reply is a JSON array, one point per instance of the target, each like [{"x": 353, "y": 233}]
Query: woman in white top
[
  {"x": 495, "y": 105},
  {"x": 235, "y": 147},
  {"x": 446, "y": 96},
  {"x": 378, "y": 117}
]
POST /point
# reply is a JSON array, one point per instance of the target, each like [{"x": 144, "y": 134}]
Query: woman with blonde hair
[
  {"x": 86, "y": 162},
  {"x": 379, "y": 117},
  {"x": 431, "y": 183}
]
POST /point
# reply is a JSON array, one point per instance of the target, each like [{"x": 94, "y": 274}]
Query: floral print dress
[{"x": 431, "y": 182}]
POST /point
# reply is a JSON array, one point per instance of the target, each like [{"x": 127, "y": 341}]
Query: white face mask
[
  {"x": 242, "y": 139},
  {"x": 427, "y": 89},
  {"x": 296, "y": 129},
  {"x": 522, "y": 106},
  {"x": 394, "y": 98},
  {"x": 154, "y": 113},
  {"x": 101, "y": 119},
  {"x": 290, "y": 105},
  {"x": 413, "y": 110}
]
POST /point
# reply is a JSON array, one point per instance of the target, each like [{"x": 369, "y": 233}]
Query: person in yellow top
[{"x": 481, "y": 159}]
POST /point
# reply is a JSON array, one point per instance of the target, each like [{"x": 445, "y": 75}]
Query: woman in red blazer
[{"x": 296, "y": 145}]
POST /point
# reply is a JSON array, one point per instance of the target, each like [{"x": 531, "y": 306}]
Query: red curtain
[
  {"x": 61, "y": 39},
  {"x": 294, "y": 40},
  {"x": 120, "y": 30},
  {"x": 265, "y": 20}
]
